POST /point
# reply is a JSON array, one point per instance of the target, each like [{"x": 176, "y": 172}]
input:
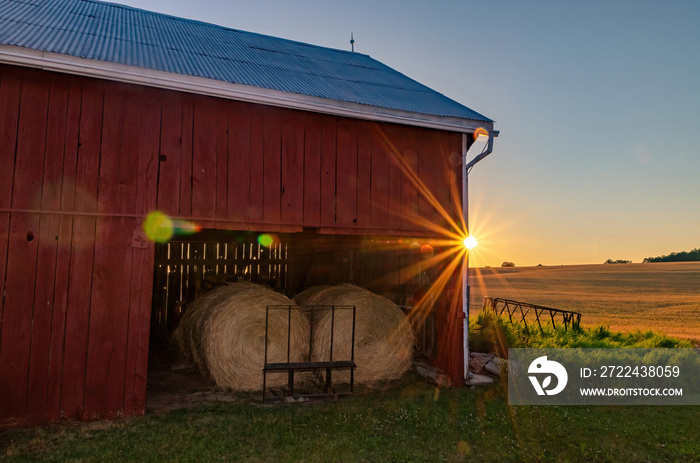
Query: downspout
[{"x": 465, "y": 213}]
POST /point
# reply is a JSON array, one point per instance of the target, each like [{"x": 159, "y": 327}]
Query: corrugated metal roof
[{"x": 124, "y": 35}]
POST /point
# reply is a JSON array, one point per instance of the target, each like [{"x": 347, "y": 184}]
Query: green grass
[
  {"x": 407, "y": 421},
  {"x": 489, "y": 333},
  {"x": 412, "y": 421}
]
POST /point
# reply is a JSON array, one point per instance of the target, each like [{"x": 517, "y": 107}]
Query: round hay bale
[
  {"x": 383, "y": 336},
  {"x": 234, "y": 339},
  {"x": 309, "y": 295},
  {"x": 303, "y": 297},
  {"x": 188, "y": 334}
]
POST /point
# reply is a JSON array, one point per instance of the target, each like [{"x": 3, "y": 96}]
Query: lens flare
[
  {"x": 480, "y": 132},
  {"x": 161, "y": 228},
  {"x": 267, "y": 240},
  {"x": 184, "y": 227},
  {"x": 158, "y": 227}
]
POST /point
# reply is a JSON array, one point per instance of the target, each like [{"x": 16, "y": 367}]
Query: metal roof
[{"x": 119, "y": 34}]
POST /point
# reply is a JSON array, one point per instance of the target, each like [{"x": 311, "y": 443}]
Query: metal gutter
[{"x": 488, "y": 149}]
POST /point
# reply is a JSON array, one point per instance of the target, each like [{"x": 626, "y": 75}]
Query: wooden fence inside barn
[{"x": 184, "y": 269}]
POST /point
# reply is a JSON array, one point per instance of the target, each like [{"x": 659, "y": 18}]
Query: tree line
[
  {"x": 618, "y": 261},
  {"x": 683, "y": 256}
]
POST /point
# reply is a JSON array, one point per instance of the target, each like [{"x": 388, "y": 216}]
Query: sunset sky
[{"x": 598, "y": 104}]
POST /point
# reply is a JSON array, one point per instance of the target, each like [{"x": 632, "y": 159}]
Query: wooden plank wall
[
  {"x": 84, "y": 161},
  {"x": 386, "y": 265},
  {"x": 272, "y": 169},
  {"x": 185, "y": 269}
]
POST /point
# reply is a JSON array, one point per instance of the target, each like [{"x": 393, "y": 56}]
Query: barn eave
[{"x": 56, "y": 62}]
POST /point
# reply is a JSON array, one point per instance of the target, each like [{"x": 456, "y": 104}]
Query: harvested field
[{"x": 663, "y": 297}]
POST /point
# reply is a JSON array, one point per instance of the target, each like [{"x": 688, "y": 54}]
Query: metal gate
[{"x": 521, "y": 312}]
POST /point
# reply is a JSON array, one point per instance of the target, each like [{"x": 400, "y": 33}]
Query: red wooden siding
[
  {"x": 186, "y": 134},
  {"x": 328, "y": 172},
  {"x": 82, "y": 245},
  {"x": 312, "y": 168},
  {"x": 346, "y": 177},
  {"x": 55, "y": 405},
  {"x": 222, "y": 171},
  {"x": 142, "y": 260},
  {"x": 239, "y": 162},
  {"x": 170, "y": 156},
  {"x": 380, "y": 180},
  {"x": 255, "y": 181},
  {"x": 9, "y": 115},
  {"x": 46, "y": 261},
  {"x": 364, "y": 175},
  {"x": 204, "y": 156},
  {"x": 270, "y": 187},
  {"x": 18, "y": 309},
  {"x": 292, "y": 177},
  {"x": 83, "y": 161},
  {"x": 47, "y": 257}
]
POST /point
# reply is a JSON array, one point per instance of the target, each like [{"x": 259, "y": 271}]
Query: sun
[{"x": 469, "y": 242}]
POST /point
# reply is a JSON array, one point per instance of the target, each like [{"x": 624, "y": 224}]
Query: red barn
[{"x": 109, "y": 113}]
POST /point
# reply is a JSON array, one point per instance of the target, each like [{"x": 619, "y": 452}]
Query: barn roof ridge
[{"x": 121, "y": 42}]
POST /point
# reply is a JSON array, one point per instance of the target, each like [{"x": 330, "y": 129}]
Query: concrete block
[{"x": 479, "y": 380}]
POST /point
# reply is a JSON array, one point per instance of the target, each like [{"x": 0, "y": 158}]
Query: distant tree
[
  {"x": 683, "y": 256},
  {"x": 618, "y": 261},
  {"x": 507, "y": 264}
]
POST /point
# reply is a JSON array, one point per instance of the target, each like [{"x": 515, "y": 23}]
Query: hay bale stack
[
  {"x": 225, "y": 335},
  {"x": 383, "y": 336}
]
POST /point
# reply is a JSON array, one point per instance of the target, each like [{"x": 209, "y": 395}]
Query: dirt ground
[{"x": 174, "y": 384}]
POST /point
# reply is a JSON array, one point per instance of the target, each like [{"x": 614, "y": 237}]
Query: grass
[
  {"x": 406, "y": 421},
  {"x": 625, "y": 297},
  {"x": 488, "y": 333},
  {"x": 411, "y": 421}
]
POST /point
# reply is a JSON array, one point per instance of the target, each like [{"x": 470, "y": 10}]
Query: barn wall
[
  {"x": 83, "y": 161},
  {"x": 272, "y": 169},
  {"x": 76, "y": 306}
]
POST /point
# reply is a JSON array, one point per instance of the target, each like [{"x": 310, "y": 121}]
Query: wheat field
[{"x": 663, "y": 297}]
